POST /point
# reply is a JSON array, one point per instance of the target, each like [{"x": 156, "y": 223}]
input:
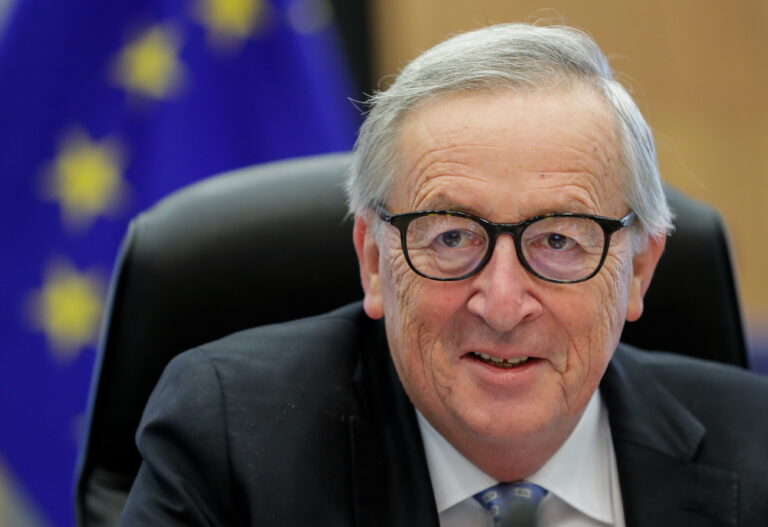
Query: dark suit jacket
[{"x": 306, "y": 424}]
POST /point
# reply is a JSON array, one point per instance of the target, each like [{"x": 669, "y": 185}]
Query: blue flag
[{"x": 105, "y": 107}]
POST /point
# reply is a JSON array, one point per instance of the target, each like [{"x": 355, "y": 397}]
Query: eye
[
  {"x": 558, "y": 242},
  {"x": 552, "y": 242},
  {"x": 457, "y": 239}
]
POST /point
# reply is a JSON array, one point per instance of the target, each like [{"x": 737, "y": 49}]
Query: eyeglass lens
[{"x": 556, "y": 248}]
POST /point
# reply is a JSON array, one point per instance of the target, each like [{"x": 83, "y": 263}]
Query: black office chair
[{"x": 271, "y": 243}]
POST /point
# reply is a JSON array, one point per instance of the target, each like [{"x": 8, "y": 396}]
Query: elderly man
[{"x": 508, "y": 218}]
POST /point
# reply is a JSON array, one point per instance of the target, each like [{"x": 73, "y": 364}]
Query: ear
[
  {"x": 368, "y": 258},
  {"x": 643, "y": 266}
]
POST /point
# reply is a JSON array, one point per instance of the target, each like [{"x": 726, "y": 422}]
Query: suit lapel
[
  {"x": 390, "y": 475},
  {"x": 656, "y": 439}
]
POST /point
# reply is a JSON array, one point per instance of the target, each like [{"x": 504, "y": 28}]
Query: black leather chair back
[{"x": 271, "y": 243}]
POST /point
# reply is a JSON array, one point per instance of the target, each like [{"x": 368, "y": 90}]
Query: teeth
[{"x": 501, "y": 362}]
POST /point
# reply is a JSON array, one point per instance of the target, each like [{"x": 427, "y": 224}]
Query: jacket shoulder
[
  {"x": 312, "y": 353},
  {"x": 231, "y": 424},
  {"x": 697, "y": 377},
  {"x": 729, "y": 401}
]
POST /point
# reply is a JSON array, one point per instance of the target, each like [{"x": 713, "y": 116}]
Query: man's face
[{"x": 505, "y": 157}]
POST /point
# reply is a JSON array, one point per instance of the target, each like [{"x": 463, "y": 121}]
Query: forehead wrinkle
[
  {"x": 445, "y": 154},
  {"x": 579, "y": 193},
  {"x": 432, "y": 151},
  {"x": 444, "y": 192},
  {"x": 438, "y": 168},
  {"x": 449, "y": 142}
]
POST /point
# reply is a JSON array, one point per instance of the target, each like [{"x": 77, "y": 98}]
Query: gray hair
[{"x": 521, "y": 57}]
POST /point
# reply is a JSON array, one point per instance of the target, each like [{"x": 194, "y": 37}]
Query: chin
[{"x": 508, "y": 422}]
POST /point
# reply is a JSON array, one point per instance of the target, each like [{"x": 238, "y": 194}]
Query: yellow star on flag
[
  {"x": 229, "y": 22},
  {"x": 85, "y": 178},
  {"x": 149, "y": 65},
  {"x": 68, "y": 309}
]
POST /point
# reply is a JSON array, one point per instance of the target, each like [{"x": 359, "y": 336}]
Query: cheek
[
  {"x": 399, "y": 291},
  {"x": 412, "y": 303},
  {"x": 397, "y": 286},
  {"x": 593, "y": 319},
  {"x": 610, "y": 294},
  {"x": 418, "y": 313},
  {"x": 616, "y": 287}
]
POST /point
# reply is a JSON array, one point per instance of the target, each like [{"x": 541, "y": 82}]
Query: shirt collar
[{"x": 578, "y": 473}]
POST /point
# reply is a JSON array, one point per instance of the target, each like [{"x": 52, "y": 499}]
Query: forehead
[{"x": 502, "y": 153}]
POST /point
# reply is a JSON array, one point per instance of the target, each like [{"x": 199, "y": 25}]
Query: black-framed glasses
[{"x": 449, "y": 245}]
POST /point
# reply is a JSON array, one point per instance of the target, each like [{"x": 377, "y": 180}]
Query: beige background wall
[{"x": 699, "y": 71}]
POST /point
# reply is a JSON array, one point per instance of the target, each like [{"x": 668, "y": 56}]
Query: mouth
[{"x": 499, "y": 362}]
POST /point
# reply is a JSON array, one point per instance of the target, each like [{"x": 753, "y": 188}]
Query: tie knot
[{"x": 512, "y": 504}]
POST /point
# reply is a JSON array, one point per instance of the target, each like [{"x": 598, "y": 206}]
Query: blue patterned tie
[{"x": 512, "y": 504}]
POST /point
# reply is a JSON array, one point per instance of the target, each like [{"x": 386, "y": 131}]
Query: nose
[{"x": 503, "y": 291}]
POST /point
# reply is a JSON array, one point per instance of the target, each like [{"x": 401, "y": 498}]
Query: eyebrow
[
  {"x": 443, "y": 203},
  {"x": 568, "y": 206}
]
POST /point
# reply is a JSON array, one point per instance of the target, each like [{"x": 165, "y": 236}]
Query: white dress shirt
[{"x": 581, "y": 477}]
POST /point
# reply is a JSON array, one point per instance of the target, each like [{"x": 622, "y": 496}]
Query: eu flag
[{"x": 104, "y": 108}]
